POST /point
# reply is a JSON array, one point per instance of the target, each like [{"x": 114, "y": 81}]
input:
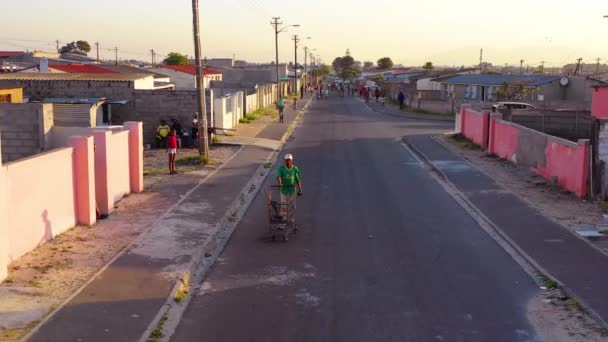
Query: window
[{"x": 5, "y": 98}]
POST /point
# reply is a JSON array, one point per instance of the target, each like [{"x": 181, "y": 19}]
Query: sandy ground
[
  {"x": 44, "y": 278},
  {"x": 555, "y": 317},
  {"x": 558, "y": 320}
]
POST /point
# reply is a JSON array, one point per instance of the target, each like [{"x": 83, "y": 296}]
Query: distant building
[
  {"x": 11, "y": 94},
  {"x": 184, "y": 76}
]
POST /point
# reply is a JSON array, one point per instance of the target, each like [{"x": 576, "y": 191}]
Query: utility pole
[
  {"x": 200, "y": 84},
  {"x": 296, "y": 40},
  {"x": 97, "y": 48},
  {"x": 578, "y": 65},
  {"x": 57, "y": 43},
  {"x": 305, "y": 69},
  {"x": 275, "y": 23},
  {"x": 542, "y": 67},
  {"x": 481, "y": 61},
  {"x": 597, "y": 68},
  {"x": 521, "y": 67},
  {"x": 153, "y": 57},
  {"x": 116, "y": 55}
]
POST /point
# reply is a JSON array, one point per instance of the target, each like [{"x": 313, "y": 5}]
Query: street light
[
  {"x": 296, "y": 40},
  {"x": 306, "y": 52},
  {"x": 275, "y": 23}
]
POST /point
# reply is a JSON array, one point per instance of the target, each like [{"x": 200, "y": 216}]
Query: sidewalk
[
  {"x": 121, "y": 302},
  {"x": 575, "y": 264},
  {"x": 389, "y": 109}
]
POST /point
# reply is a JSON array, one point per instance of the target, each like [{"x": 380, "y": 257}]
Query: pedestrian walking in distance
[
  {"x": 172, "y": 150},
  {"x": 295, "y": 103},
  {"x": 401, "y": 99},
  {"x": 377, "y": 94},
  {"x": 281, "y": 108}
]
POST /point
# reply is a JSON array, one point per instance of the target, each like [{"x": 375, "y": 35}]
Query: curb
[
  {"x": 530, "y": 266},
  {"x": 172, "y": 311}
]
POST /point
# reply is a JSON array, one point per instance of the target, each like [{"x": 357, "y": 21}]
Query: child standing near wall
[{"x": 172, "y": 150}]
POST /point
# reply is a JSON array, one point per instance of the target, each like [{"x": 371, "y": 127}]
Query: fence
[
  {"x": 93, "y": 169},
  {"x": 570, "y": 125}
]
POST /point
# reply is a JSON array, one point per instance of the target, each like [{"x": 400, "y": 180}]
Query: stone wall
[{"x": 25, "y": 129}]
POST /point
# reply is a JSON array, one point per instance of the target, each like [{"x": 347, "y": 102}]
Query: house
[
  {"x": 556, "y": 92},
  {"x": 184, "y": 76},
  {"x": 11, "y": 94}
]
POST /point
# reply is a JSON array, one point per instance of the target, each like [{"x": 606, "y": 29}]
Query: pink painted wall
[
  {"x": 136, "y": 155},
  {"x": 570, "y": 164},
  {"x": 599, "y": 103},
  {"x": 118, "y": 166},
  {"x": 503, "y": 138},
  {"x": 39, "y": 207},
  {"x": 102, "y": 140},
  {"x": 474, "y": 126},
  {"x": 84, "y": 180}
]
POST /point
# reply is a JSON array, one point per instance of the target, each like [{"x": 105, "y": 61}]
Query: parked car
[{"x": 512, "y": 105}]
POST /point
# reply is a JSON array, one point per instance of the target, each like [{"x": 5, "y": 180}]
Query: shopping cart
[{"x": 281, "y": 211}]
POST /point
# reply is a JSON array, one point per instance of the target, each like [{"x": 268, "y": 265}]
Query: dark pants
[
  {"x": 281, "y": 114},
  {"x": 161, "y": 142},
  {"x": 400, "y": 104}
]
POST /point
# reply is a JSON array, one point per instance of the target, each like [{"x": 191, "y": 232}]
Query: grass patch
[
  {"x": 244, "y": 121},
  {"x": 216, "y": 140},
  {"x": 158, "y": 331},
  {"x": 267, "y": 165},
  {"x": 192, "y": 161},
  {"x": 462, "y": 142},
  {"x": 550, "y": 284}
]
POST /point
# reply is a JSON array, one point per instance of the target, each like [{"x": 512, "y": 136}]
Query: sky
[{"x": 411, "y": 32}]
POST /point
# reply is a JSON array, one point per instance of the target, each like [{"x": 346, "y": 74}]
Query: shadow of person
[{"x": 48, "y": 229}]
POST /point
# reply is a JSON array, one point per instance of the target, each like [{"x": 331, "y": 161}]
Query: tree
[
  {"x": 368, "y": 65},
  {"x": 428, "y": 66},
  {"x": 510, "y": 91},
  {"x": 378, "y": 77},
  {"x": 337, "y": 65},
  {"x": 385, "y": 63},
  {"x": 80, "y": 47},
  {"x": 324, "y": 70},
  {"x": 176, "y": 58}
]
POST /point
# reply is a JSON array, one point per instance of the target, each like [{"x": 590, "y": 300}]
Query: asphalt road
[{"x": 384, "y": 253}]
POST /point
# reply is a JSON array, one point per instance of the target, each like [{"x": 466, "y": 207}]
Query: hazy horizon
[{"x": 410, "y": 32}]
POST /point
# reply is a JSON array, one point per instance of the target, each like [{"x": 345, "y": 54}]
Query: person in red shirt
[{"x": 172, "y": 150}]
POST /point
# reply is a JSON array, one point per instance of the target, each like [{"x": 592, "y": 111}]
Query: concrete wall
[
  {"x": 474, "y": 125},
  {"x": 546, "y": 155},
  {"x": 89, "y": 171},
  {"x": 150, "y": 107},
  {"x": 25, "y": 129},
  {"x": 39, "y": 207},
  {"x": 251, "y": 103}
]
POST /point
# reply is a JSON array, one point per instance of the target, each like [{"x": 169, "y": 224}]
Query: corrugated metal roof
[
  {"x": 11, "y": 53},
  {"x": 19, "y": 76},
  {"x": 82, "y": 69},
  {"x": 491, "y": 79},
  {"x": 189, "y": 69}
]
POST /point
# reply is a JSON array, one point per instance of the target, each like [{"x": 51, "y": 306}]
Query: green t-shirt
[
  {"x": 290, "y": 178},
  {"x": 281, "y": 103}
]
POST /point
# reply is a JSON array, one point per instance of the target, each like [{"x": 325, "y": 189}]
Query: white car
[{"x": 513, "y": 105}]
